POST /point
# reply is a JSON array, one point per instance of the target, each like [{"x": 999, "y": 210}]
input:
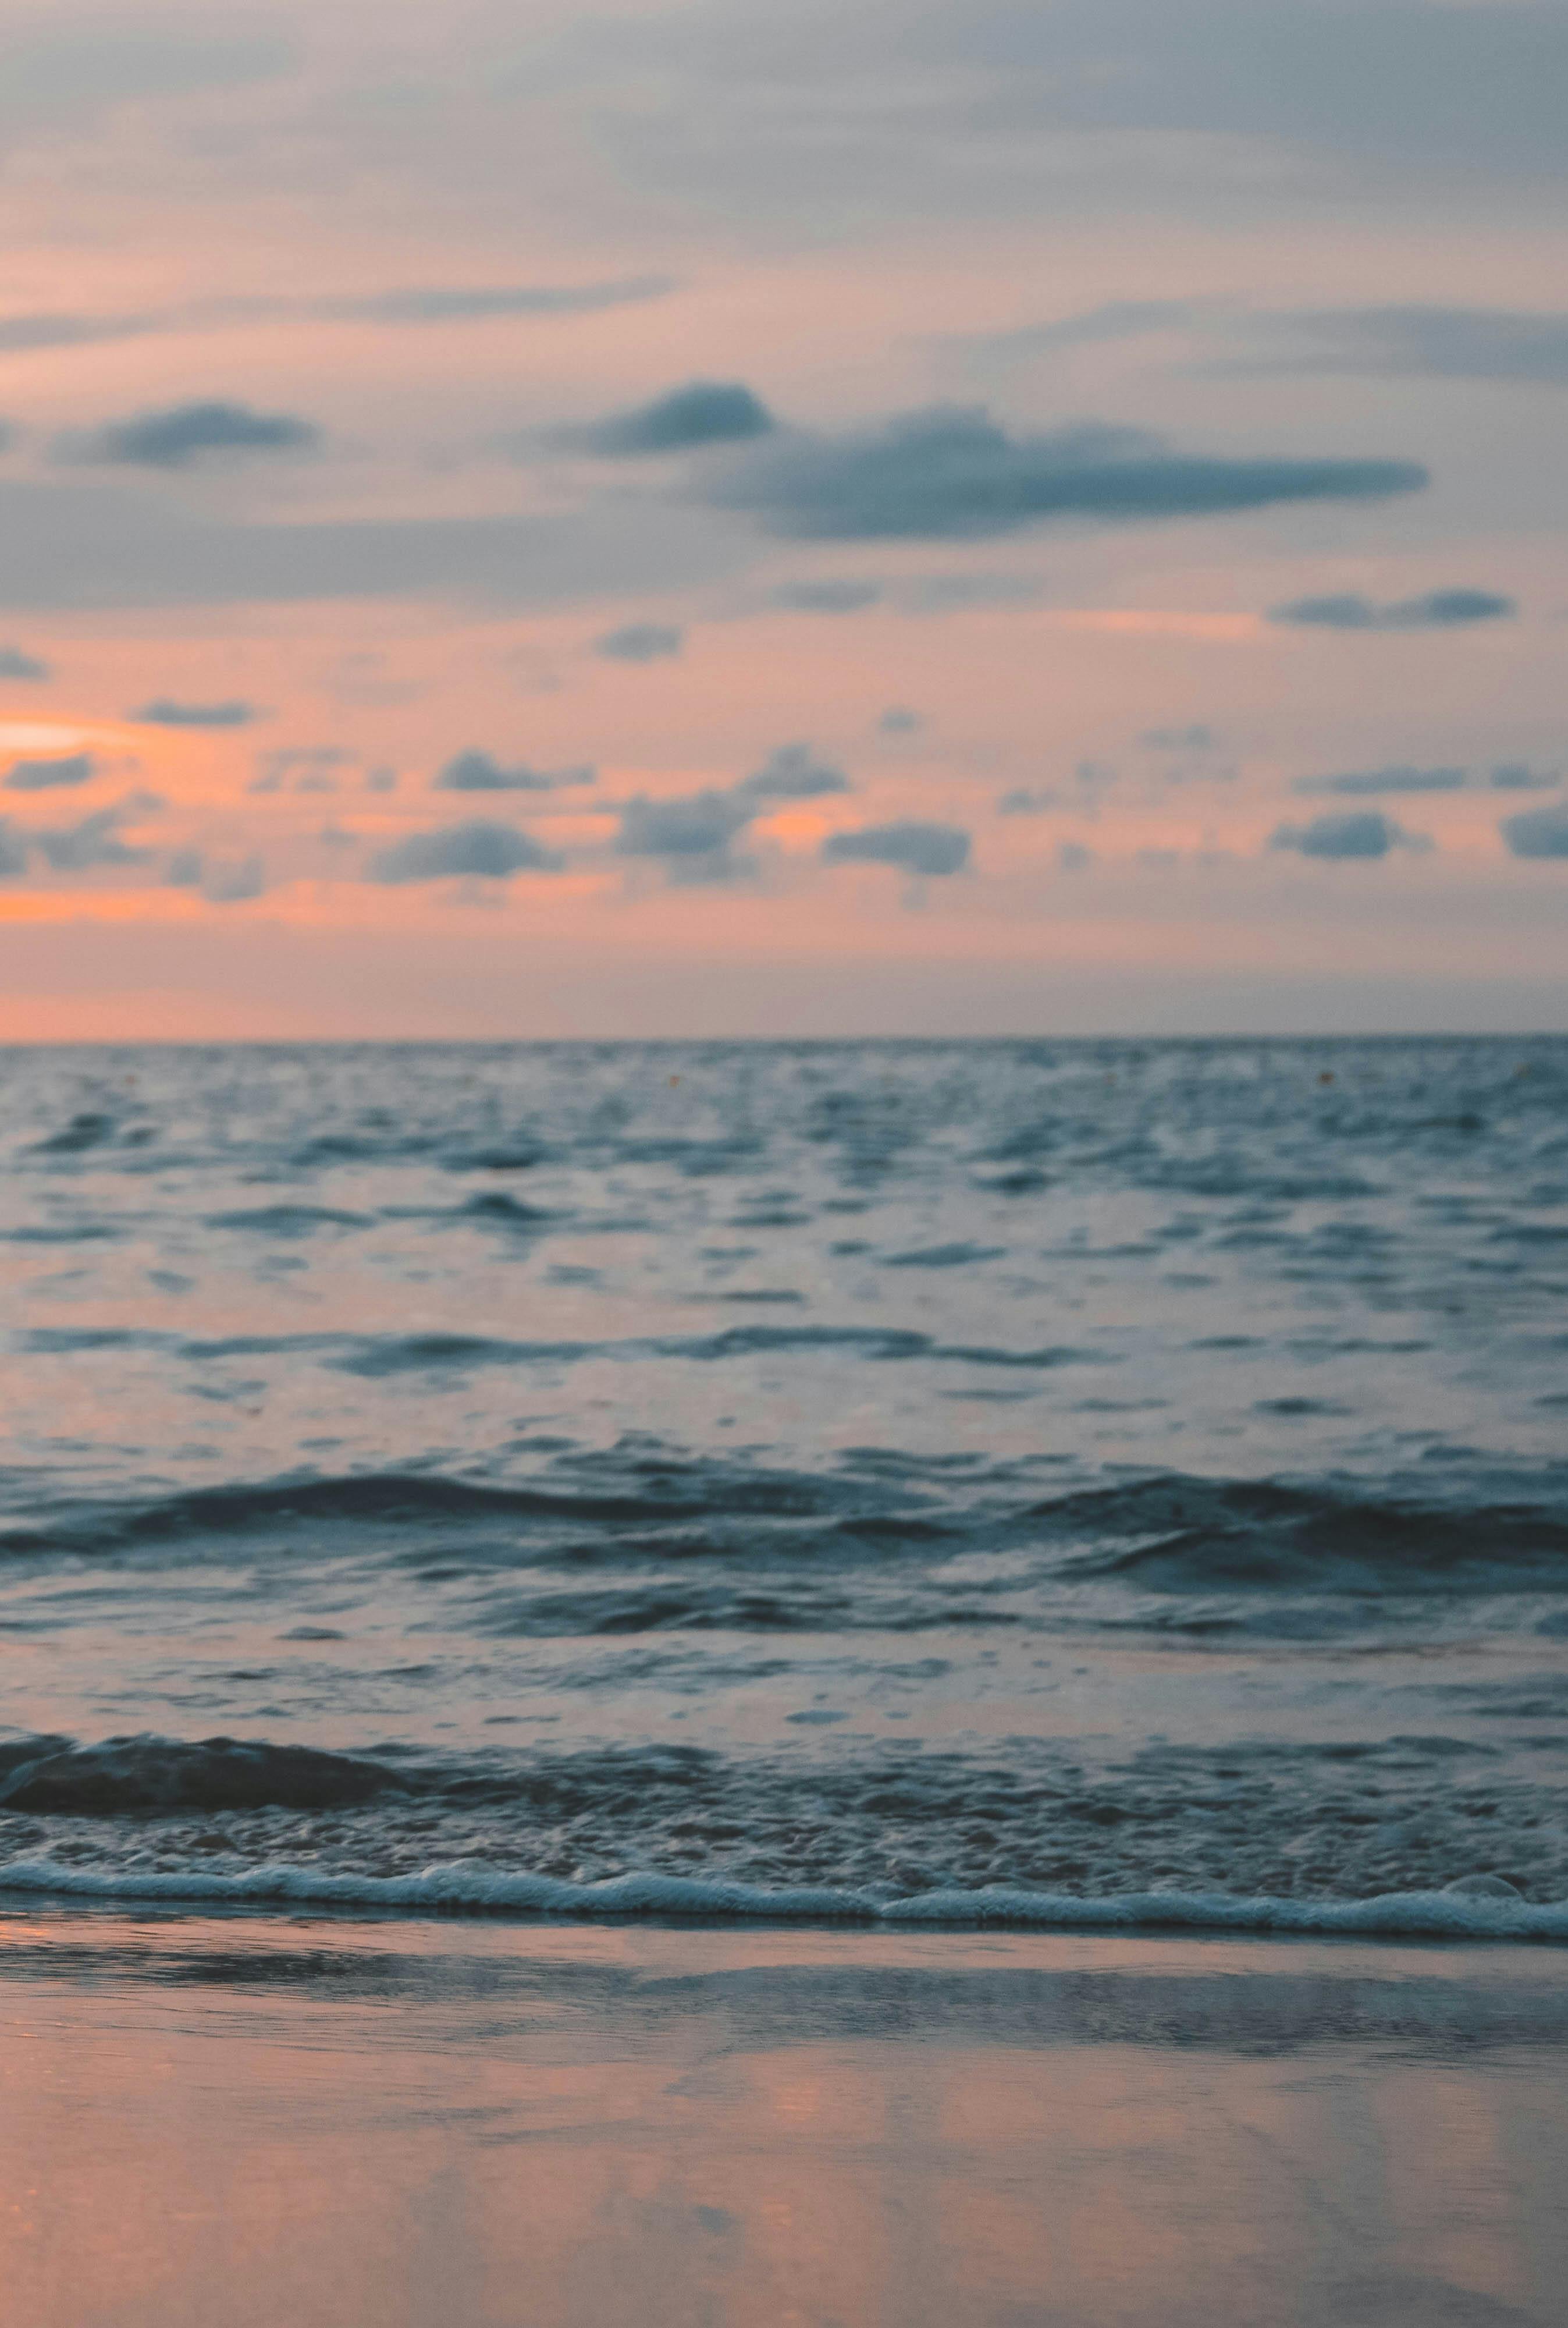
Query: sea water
[{"x": 1063, "y": 1483}]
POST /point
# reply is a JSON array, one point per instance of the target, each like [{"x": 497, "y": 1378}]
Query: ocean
[{"x": 1041, "y": 1483}]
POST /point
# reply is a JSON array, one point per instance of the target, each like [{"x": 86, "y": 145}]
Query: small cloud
[
  {"x": 312, "y": 763},
  {"x": 1025, "y": 801},
  {"x": 695, "y": 826},
  {"x": 791, "y": 774},
  {"x": 163, "y": 712},
  {"x": 16, "y": 663},
  {"x": 187, "y": 434},
  {"x": 337, "y": 836},
  {"x": 1515, "y": 778},
  {"x": 1537, "y": 831},
  {"x": 441, "y": 305},
  {"x": 476, "y": 772},
  {"x": 952, "y": 594},
  {"x": 50, "y": 775},
  {"x": 13, "y": 851},
  {"x": 1095, "y": 775},
  {"x": 477, "y": 852},
  {"x": 827, "y": 596},
  {"x": 381, "y": 780},
  {"x": 1363, "y": 835},
  {"x": 640, "y": 643},
  {"x": 1439, "y": 610},
  {"x": 1366, "y": 783},
  {"x": 94, "y": 841},
  {"x": 898, "y": 720},
  {"x": 233, "y": 881},
  {"x": 912, "y": 847},
  {"x": 1072, "y": 857},
  {"x": 1179, "y": 739},
  {"x": 956, "y": 474},
  {"x": 185, "y": 869},
  {"x": 704, "y": 412}
]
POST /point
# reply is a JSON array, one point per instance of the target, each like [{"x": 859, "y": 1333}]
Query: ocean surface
[{"x": 1044, "y": 1482}]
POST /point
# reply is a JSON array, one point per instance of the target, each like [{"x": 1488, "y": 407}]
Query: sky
[{"x": 916, "y": 517}]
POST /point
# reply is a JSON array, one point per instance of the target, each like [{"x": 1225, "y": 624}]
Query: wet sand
[{"x": 211, "y": 2122}]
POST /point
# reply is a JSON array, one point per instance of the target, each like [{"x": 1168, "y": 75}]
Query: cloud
[
  {"x": 705, "y": 412},
  {"x": 640, "y": 643},
  {"x": 944, "y": 593},
  {"x": 827, "y": 596},
  {"x": 1366, "y": 783},
  {"x": 914, "y": 848},
  {"x": 1024, "y": 801},
  {"x": 476, "y": 772},
  {"x": 791, "y": 774},
  {"x": 16, "y": 663},
  {"x": 694, "y": 826},
  {"x": 55, "y": 328},
  {"x": 311, "y": 765},
  {"x": 1515, "y": 778},
  {"x": 94, "y": 841},
  {"x": 1072, "y": 857},
  {"x": 12, "y": 852},
  {"x": 1355, "y": 834},
  {"x": 50, "y": 775},
  {"x": 1196, "y": 738},
  {"x": 163, "y": 712},
  {"x": 898, "y": 719},
  {"x": 228, "y": 881},
  {"x": 188, "y": 432},
  {"x": 953, "y": 473},
  {"x": 1438, "y": 610},
  {"x": 1537, "y": 831},
  {"x": 481, "y": 851},
  {"x": 1434, "y": 342}
]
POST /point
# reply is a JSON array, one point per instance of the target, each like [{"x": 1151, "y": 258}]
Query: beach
[{"x": 262, "y": 2119}]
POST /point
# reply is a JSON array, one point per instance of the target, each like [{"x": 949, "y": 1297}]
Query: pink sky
[{"x": 419, "y": 255}]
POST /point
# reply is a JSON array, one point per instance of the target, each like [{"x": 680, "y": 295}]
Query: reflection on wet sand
[{"x": 209, "y": 2123}]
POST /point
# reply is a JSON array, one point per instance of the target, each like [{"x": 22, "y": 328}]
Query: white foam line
[{"x": 471, "y": 1887}]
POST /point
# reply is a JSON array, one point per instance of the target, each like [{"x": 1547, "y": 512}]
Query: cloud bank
[{"x": 1438, "y": 610}]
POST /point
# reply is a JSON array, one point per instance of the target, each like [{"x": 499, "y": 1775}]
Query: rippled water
[{"x": 878, "y": 1479}]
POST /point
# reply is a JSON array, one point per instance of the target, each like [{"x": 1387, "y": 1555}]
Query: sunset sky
[{"x": 996, "y": 516}]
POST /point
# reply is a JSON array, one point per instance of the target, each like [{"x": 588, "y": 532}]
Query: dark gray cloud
[
  {"x": 1438, "y": 610},
  {"x": 830, "y": 595},
  {"x": 94, "y": 841},
  {"x": 476, "y": 772},
  {"x": 1196, "y": 738},
  {"x": 187, "y": 434},
  {"x": 1513, "y": 776},
  {"x": 477, "y": 851},
  {"x": 640, "y": 643},
  {"x": 1024, "y": 800},
  {"x": 1362, "y": 833},
  {"x": 1072, "y": 857},
  {"x": 15, "y": 662},
  {"x": 698, "y": 825},
  {"x": 898, "y": 719},
  {"x": 955, "y": 473},
  {"x": 1537, "y": 831},
  {"x": 1367, "y": 783},
  {"x": 164, "y": 713},
  {"x": 50, "y": 775},
  {"x": 13, "y": 851},
  {"x": 791, "y": 774},
  {"x": 233, "y": 881},
  {"x": 910, "y": 845},
  {"x": 704, "y": 412}
]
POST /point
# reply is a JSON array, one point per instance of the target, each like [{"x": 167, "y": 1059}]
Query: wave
[
  {"x": 1176, "y": 1534},
  {"x": 1472, "y": 1909},
  {"x": 144, "y": 1774}
]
